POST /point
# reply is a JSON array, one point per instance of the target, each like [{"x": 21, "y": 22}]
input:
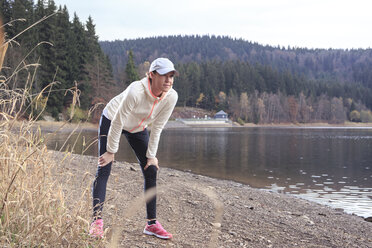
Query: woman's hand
[
  {"x": 152, "y": 161},
  {"x": 105, "y": 158}
]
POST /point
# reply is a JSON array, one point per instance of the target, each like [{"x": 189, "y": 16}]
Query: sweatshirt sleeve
[
  {"x": 126, "y": 106},
  {"x": 159, "y": 124}
]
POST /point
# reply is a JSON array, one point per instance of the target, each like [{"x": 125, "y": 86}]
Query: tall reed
[{"x": 33, "y": 209}]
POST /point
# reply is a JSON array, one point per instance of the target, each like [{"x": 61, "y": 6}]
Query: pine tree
[
  {"x": 62, "y": 33},
  {"x": 131, "y": 70},
  {"x": 6, "y": 13},
  {"x": 93, "y": 47},
  {"x": 99, "y": 72}
]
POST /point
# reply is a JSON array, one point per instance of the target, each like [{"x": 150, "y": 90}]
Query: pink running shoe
[
  {"x": 157, "y": 230},
  {"x": 96, "y": 229}
]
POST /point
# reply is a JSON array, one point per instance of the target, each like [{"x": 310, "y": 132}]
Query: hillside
[
  {"x": 332, "y": 64},
  {"x": 256, "y": 83}
]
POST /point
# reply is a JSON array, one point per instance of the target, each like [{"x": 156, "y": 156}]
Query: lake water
[{"x": 331, "y": 166}]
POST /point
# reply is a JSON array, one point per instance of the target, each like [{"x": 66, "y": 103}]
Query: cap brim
[{"x": 166, "y": 70}]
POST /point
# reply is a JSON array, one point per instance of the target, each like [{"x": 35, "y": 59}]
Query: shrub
[
  {"x": 355, "y": 116},
  {"x": 366, "y": 116},
  {"x": 77, "y": 114},
  {"x": 241, "y": 122}
]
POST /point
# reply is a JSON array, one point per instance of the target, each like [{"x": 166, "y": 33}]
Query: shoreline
[
  {"x": 53, "y": 126},
  {"x": 223, "y": 213}
]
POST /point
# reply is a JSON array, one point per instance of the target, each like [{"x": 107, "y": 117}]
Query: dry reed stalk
[{"x": 3, "y": 45}]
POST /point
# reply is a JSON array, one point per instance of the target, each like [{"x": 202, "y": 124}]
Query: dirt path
[{"x": 206, "y": 212}]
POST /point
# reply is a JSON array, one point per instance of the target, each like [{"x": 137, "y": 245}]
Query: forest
[
  {"x": 252, "y": 82},
  {"x": 256, "y": 83},
  {"x": 57, "y": 54}
]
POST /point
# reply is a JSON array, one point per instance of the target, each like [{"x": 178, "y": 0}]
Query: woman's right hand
[{"x": 105, "y": 159}]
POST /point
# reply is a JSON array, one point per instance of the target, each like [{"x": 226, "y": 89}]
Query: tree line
[
  {"x": 211, "y": 66},
  {"x": 349, "y": 66},
  {"x": 55, "y": 50},
  {"x": 260, "y": 94}
]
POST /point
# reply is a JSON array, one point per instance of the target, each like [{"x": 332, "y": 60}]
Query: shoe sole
[{"x": 157, "y": 235}]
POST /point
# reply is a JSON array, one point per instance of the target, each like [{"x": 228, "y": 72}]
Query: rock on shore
[{"x": 206, "y": 212}]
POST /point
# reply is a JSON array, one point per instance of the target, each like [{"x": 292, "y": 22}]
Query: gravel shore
[{"x": 206, "y": 212}]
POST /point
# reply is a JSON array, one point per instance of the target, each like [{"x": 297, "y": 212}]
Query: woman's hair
[{"x": 148, "y": 74}]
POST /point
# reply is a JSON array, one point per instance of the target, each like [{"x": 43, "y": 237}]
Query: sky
[{"x": 345, "y": 24}]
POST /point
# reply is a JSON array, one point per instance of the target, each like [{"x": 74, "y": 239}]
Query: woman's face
[{"x": 161, "y": 83}]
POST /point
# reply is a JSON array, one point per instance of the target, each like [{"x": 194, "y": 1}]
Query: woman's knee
[
  {"x": 151, "y": 171},
  {"x": 104, "y": 172}
]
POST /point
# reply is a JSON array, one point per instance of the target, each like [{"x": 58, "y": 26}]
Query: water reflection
[{"x": 330, "y": 166}]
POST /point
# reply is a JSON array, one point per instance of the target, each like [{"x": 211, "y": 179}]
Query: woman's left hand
[{"x": 106, "y": 158}]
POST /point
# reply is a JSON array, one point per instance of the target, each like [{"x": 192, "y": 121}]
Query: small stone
[
  {"x": 249, "y": 207},
  {"x": 192, "y": 202},
  {"x": 296, "y": 214},
  {"x": 132, "y": 168},
  {"x": 369, "y": 219},
  {"x": 233, "y": 233},
  {"x": 311, "y": 223},
  {"x": 307, "y": 219},
  {"x": 217, "y": 225},
  {"x": 247, "y": 239}
]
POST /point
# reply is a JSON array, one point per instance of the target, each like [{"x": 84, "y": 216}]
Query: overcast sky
[{"x": 297, "y": 23}]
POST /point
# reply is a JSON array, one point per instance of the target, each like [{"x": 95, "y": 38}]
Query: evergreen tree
[
  {"x": 93, "y": 47},
  {"x": 62, "y": 34},
  {"x": 131, "y": 70},
  {"x": 65, "y": 52},
  {"x": 99, "y": 79},
  {"x": 6, "y": 14}
]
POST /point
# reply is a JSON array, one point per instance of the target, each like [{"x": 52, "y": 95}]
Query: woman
[{"x": 148, "y": 101}]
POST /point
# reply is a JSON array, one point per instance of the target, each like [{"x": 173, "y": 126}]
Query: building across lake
[
  {"x": 219, "y": 119},
  {"x": 220, "y": 115}
]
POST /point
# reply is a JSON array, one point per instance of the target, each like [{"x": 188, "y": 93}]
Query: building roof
[{"x": 221, "y": 113}]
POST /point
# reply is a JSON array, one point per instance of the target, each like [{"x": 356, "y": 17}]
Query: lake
[{"x": 331, "y": 166}]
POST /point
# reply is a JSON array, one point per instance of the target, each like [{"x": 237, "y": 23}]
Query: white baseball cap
[{"x": 162, "y": 66}]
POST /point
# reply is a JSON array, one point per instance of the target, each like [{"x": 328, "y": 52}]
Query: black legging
[{"x": 139, "y": 142}]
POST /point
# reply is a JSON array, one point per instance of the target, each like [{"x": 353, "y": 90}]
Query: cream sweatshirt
[{"x": 134, "y": 109}]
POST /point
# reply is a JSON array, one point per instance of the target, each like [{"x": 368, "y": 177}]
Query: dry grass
[{"x": 33, "y": 211}]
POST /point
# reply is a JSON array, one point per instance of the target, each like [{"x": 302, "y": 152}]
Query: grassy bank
[
  {"x": 33, "y": 206},
  {"x": 33, "y": 209}
]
